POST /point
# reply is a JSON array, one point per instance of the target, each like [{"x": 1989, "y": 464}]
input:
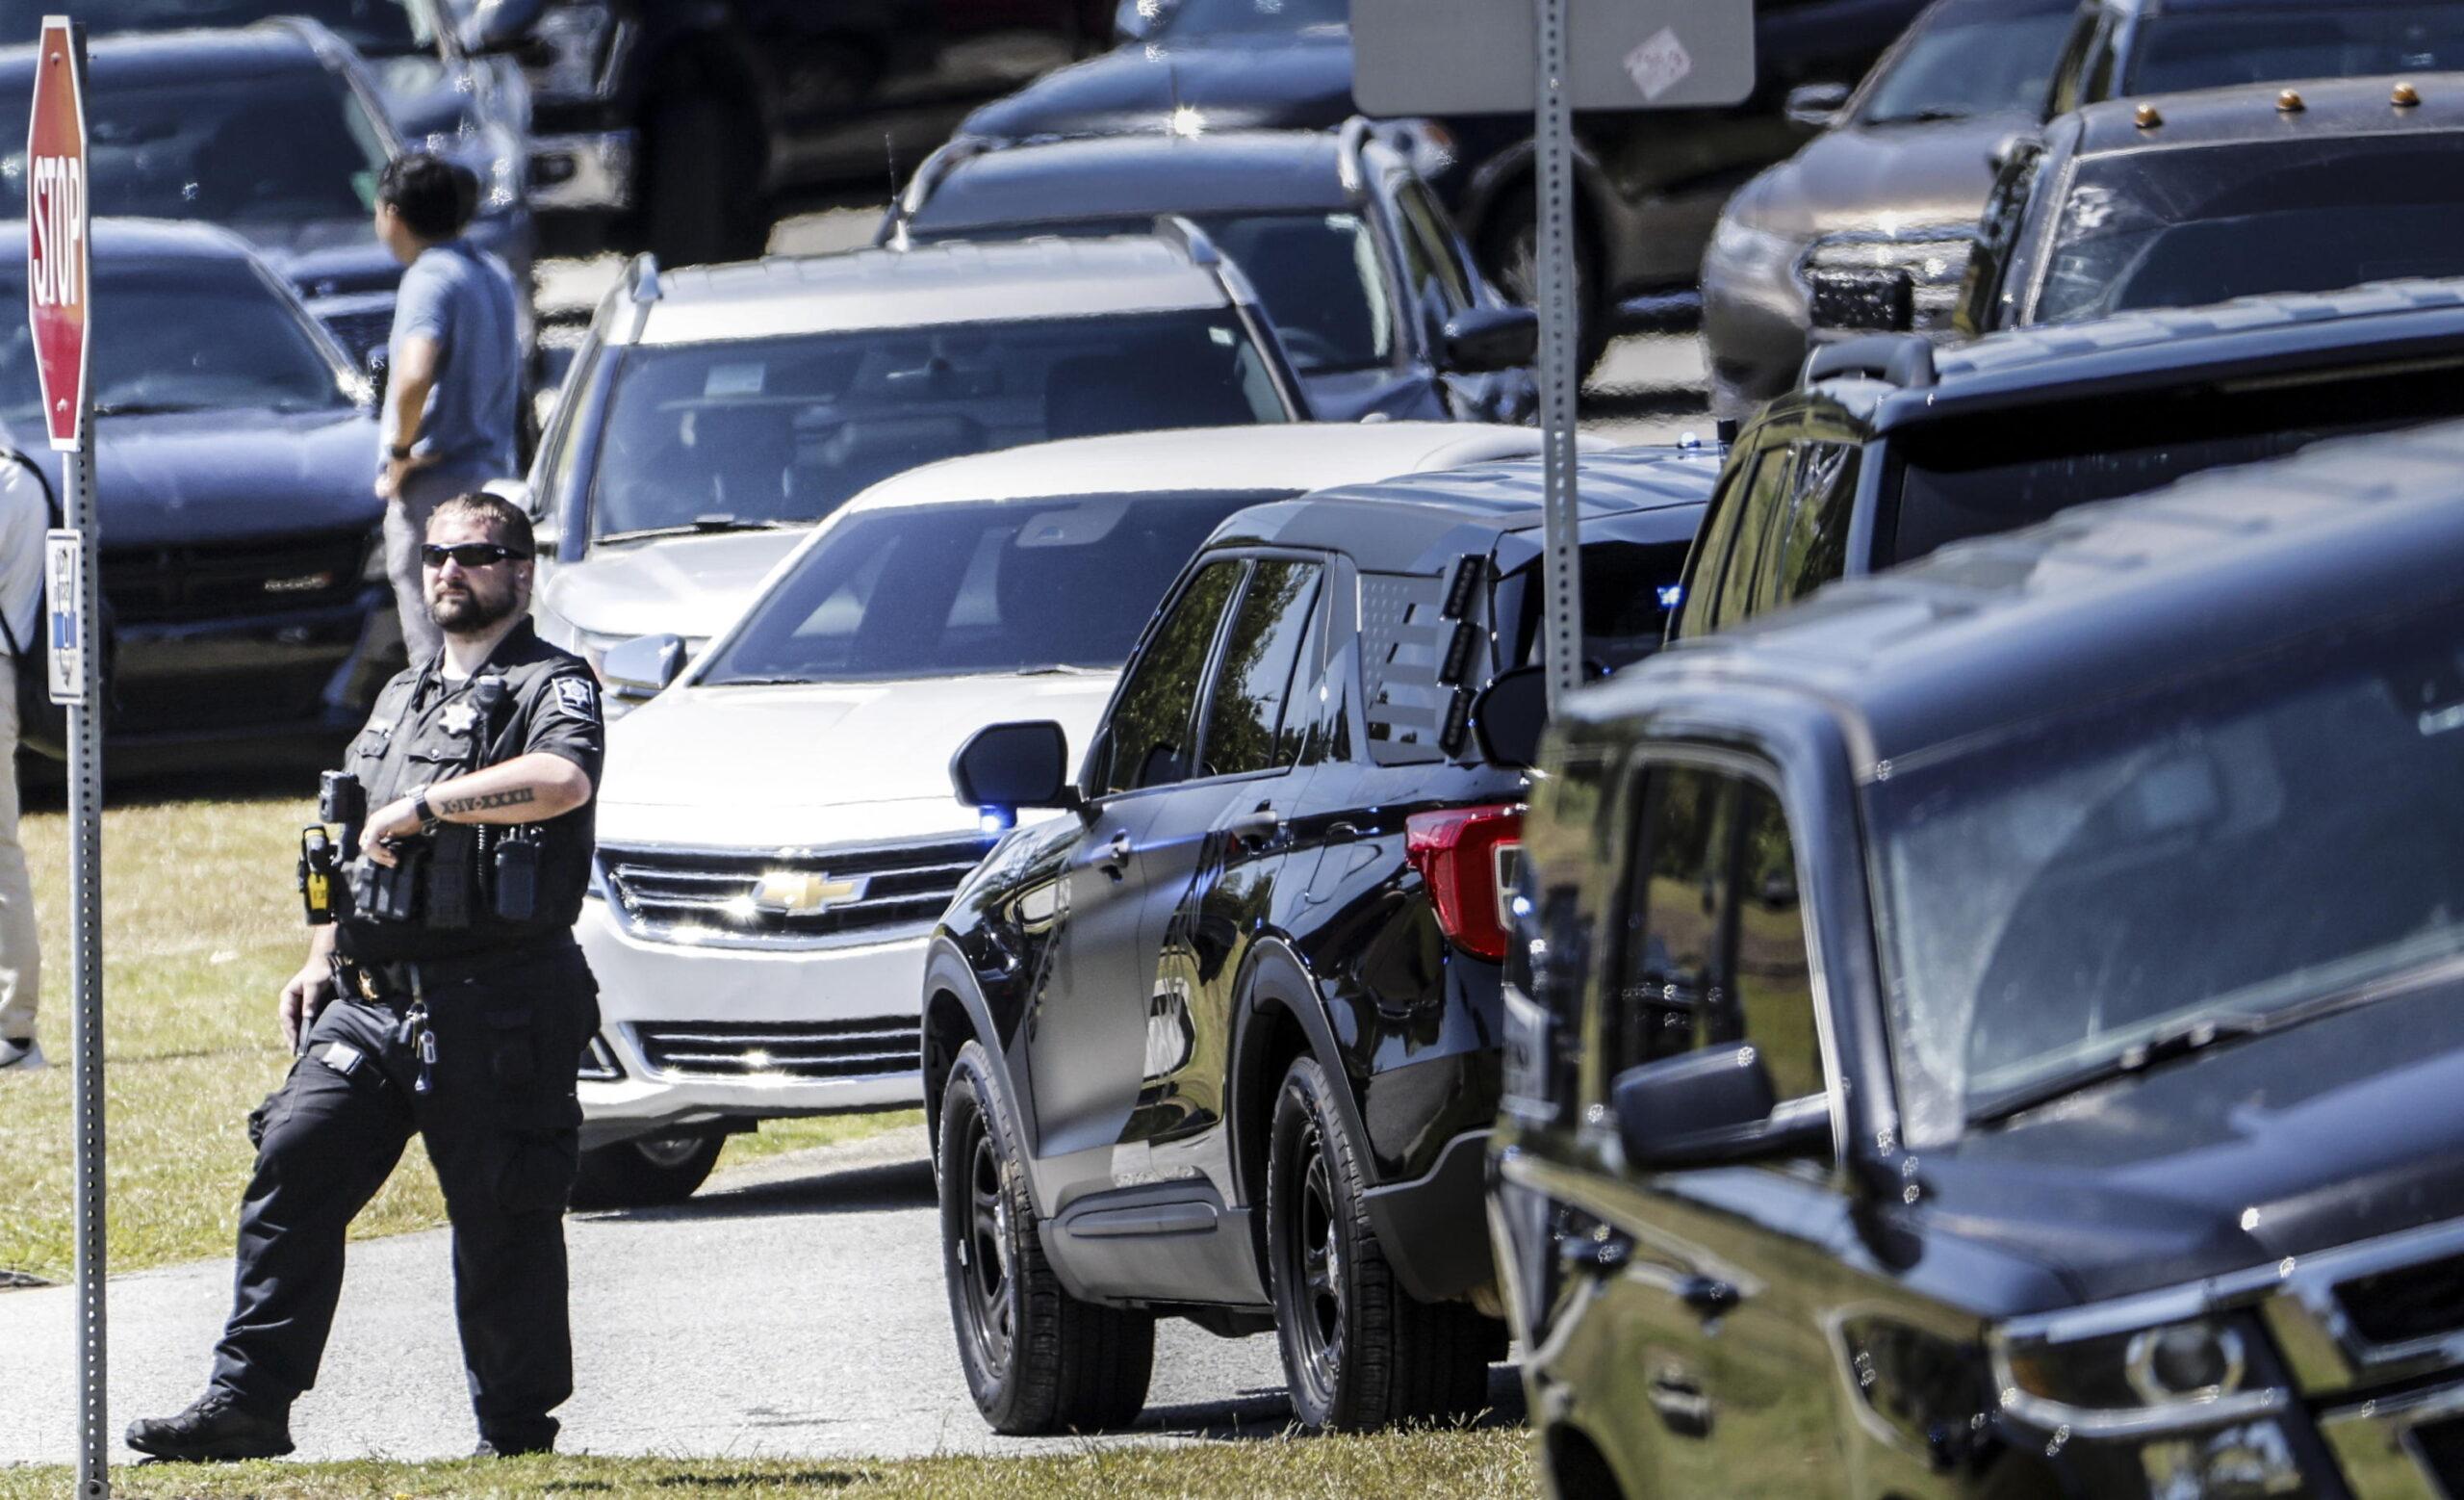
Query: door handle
[
  {"x": 1679, "y": 1400},
  {"x": 1252, "y": 829},
  {"x": 1119, "y": 849},
  {"x": 1709, "y": 1295}
]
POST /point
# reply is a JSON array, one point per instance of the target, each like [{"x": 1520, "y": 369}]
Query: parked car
[
  {"x": 1894, "y": 448},
  {"x": 1651, "y": 182},
  {"x": 233, "y": 441},
  {"x": 1220, "y": 1041},
  {"x": 1371, "y": 288},
  {"x": 675, "y": 128},
  {"x": 1869, "y": 224},
  {"x": 273, "y": 131},
  {"x": 2130, "y": 47},
  {"x": 1995, "y": 1029},
  {"x": 758, "y": 937},
  {"x": 2176, "y": 199},
  {"x": 712, "y": 415}
]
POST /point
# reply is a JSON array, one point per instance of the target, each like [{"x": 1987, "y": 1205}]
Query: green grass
[
  {"x": 202, "y": 930},
  {"x": 1493, "y": 1463}
]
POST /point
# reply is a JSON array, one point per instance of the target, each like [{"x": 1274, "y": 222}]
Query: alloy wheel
[
  {"x": 1313, "y": 1264},
  {"x": 984, "y": 1250}
]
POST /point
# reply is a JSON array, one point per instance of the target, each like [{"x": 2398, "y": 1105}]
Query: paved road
[{"x": 794, "y": 1308}]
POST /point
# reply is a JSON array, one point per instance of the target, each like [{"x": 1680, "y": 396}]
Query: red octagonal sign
[{"x": 55, "y": 220}]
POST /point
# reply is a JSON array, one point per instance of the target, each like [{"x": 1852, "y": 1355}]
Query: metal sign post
[
  {"x": 1469, "y": 56},
  {"x": 58, "y": 281}
]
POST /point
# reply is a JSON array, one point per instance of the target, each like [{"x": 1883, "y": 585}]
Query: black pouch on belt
[
  {"x": 517, "y": 876},
  {"x": 453, "y": 874}
]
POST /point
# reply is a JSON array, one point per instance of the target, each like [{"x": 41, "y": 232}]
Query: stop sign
[{"x": 56, "y": 219}]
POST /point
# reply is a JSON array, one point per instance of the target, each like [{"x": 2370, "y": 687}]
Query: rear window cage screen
[{"x": 1403, "y": 635}]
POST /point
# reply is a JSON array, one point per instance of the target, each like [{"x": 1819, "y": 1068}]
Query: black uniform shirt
[{"x": 425, "y": 729}]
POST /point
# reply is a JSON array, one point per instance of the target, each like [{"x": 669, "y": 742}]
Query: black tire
[
  {"x": 1509, "y": 248},
  {"x": 699, "y": 205},
  {"x": 1037, "y": 1359},
  {"x": 647, "y": 1170},
  {"x": 1359, "y": 1352}
]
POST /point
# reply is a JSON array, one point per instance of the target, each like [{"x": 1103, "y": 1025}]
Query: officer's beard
[{"x": 468, "y": 612}]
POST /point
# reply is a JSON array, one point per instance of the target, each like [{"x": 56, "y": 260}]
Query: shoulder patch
[{"x": 578, "y": 696}]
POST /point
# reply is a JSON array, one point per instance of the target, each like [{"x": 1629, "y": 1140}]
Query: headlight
[
  {"x": 2204, "y": 1362},
  {"x": 1744, "y": 251}
]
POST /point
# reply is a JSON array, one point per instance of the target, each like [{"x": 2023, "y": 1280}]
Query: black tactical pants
[{"x": 501, "y": 1124}]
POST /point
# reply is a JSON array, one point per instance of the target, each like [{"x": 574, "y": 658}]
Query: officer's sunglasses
[{"x": 470, "y": 555}]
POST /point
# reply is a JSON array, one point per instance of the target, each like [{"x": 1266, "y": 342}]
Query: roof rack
[
  {"x": 1350, "y": 142},
  {"x": 1904, "y": 359},
  {"x": 1181, "y": 231},
  {"x": 933, "y": 171}
]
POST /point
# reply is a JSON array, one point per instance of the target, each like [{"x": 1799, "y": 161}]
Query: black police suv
[
  {"x": 234, "y": 447},
  {"x": 2174, "y": 201},
  {"x": 1360, "y": 270},
  {"x": 1893, "y": 447},
  {"x": 1997, "y": 1029},
  {"x": 2119, "y": 47},
  {"x": 1222, "y": 1041}
]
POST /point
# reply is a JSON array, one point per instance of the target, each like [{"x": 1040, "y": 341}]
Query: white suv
[
  {"x": 776, "y": 829},
  {"x": 713, "y": 414}
]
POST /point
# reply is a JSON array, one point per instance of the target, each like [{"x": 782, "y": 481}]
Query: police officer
[{"x": 449, "y": 1000}]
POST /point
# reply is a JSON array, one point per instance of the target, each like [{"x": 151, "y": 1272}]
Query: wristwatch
[
  {"x": 428, "y": 820},
  {"x": 399, "y": 453}
]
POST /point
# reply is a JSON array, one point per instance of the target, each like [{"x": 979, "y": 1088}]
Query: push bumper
[
  {"x": 708, "y": 1035},
  {"x": 585, "y": 172},
  {"x": 1433, "y": 1230}
]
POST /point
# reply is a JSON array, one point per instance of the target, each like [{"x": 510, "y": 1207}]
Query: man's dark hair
[
  {"x": 434, "y": 197},
  {"x": 506, "y": 519}
]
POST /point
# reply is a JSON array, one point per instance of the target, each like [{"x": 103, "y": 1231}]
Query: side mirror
[
  {"x": 1508, "y": 717},
  {"x": 1015, "y": 766},
  {"x": 500, "y": 26},
  {"x": 1817, "y": 105},
  {"x": 1706, "y": 1109},
  {"x": 1478, "y": 340},
  {"x": 643, "y": 666},
  {"x": 1864, "y": 302}
]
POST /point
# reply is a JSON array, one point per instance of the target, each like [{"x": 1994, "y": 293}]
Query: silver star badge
[{"x": 459, "y": 717}]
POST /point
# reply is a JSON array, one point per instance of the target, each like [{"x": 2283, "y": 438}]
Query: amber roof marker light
[
  {"x": 2405, "y": 96},
  {"x": 2148, "y": 116},
  {"x": 2290, "y": 102}
]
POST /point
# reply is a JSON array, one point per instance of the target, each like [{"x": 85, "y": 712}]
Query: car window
[
  {"x": 783, "y": 430},
  {"x": 1814, "y": 545},
  {"x": 1984, "y": 302},
  {"x": 1246, "y": 726},
  {"x": 1434, "y": 243},
  {"x": 2087, "y": 37},
  {"x": 2326, "y": 38},
  {"x": 1764, "y": 510},
  {"x": 375, "y": 27},
  {"x": 1146, "y": 740},
  {"x": 1710, "y": 558},
  {"x": 1714, "y": 948},
  {"x": 1975, "y": 64}
]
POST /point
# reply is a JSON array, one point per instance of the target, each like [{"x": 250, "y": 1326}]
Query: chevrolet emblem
[{"x": 805, "y": 894}]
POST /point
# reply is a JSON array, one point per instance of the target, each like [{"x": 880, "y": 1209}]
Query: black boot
[
  {"x": 215, "y": 1427},
  {"x": 517, "y": 1444}
]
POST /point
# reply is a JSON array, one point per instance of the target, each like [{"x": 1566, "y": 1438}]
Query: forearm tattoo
[{"x": 514, "y": 797}]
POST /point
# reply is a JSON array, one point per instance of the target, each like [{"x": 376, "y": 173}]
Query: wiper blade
[
  {"x": 1926, "y": 117},
  {"x": 700, "y": 526},
  {"x": 143, "y": 408},
  {"x": 1059, "y": 669},
  {"x": 2170, "y": 1044}
]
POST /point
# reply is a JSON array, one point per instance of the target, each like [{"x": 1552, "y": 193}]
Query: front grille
[
  {"x": 2405, "y": 1305},
  {"x": 359, "y": 332},
  {"x": 1936, "y": 262},
  {"x": 599, "y": 1064},
  {"x": 805, "y": 1050},
  {"x": 2440, "y": 1446},
  {"x": 785, "y": 897},
  {"x": 222, "y": 579}
]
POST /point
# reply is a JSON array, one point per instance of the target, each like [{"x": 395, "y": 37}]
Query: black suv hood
[
  {"x": 326, "y": 256},
  {"x": 1866, "y": 177},
  {"x": 230, "y": 476},
  {"x": 2345, "y": 1128},
  {"x": 1301, "y": 83}
]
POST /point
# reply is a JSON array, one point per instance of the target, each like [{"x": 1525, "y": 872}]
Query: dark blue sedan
[{"x": 236, "y": 449}]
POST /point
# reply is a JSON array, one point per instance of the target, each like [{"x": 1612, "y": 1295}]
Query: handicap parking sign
[{"x": 63, "y": 556}]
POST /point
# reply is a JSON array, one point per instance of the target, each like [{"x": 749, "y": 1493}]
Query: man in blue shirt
[{"x": 455, "y": 368}]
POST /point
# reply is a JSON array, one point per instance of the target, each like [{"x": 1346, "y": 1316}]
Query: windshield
[
  {"x": 1318, "y": 275},
  {"x": 1186, "y": 18},
  {"x": 190, "y": 335},
  {"x": 290, "y": 148},
  {"x": 952, "y": 590},
  {"x": 1954, "y": 69},
  {"x": 372, "y": 27},
  {"x": 1983, "y": 475},
  {"x": 783, "y": 431},
  {"x": 2290, "y": 831},
  {"x": 2187, "y": 227},
  {"x": 2340, "y": 38}
]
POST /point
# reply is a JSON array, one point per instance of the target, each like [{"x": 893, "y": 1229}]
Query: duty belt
[{"x": 412, "y": 979}]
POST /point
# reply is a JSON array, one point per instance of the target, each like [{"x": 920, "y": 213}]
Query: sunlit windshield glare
[
  {"x": 1213, "y": 17},
  {"x": 955, "y": 590},
  {"x": 2337, "y": 39},
  {"x": 1956, "y": 69},
  {"x": 181, "y": 336},
  {"x": 289, "y": 148},
  {"x": 2236, "y": 845},
  {"x": 2187, "y": 227},
  {"x": 783, "y": 431},
  {"x": 376, "y": 27}
]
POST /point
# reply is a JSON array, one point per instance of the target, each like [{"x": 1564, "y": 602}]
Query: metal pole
[
  {"x": 1552, "y": 137},
  {"x": 86, "y": 965}
]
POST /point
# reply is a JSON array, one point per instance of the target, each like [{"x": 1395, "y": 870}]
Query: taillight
[{"x": 1465, "y": 856}]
